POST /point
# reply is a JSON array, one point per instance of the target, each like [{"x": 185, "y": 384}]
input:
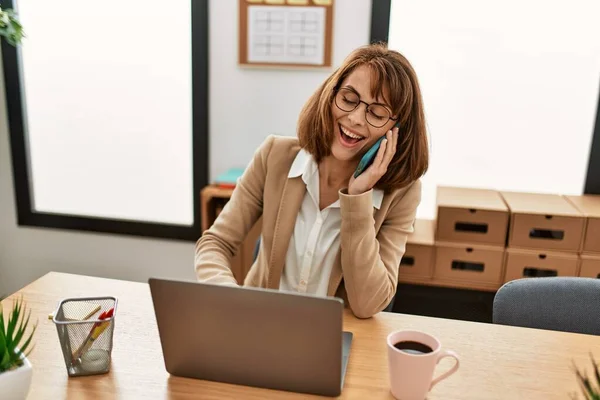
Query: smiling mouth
[{"x": 348, "y": 137}]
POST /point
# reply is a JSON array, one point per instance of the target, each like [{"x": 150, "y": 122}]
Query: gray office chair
[
  {"x": 389, "y": 308},
  {"x": 555, "y": 303}
]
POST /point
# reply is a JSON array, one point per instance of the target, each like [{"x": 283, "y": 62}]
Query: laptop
[{"x": 251, "y": 336}]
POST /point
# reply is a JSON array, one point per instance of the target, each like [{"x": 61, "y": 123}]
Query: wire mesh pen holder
[{"x": 85, "y": 329}]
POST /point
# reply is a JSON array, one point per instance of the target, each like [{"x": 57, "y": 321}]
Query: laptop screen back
[{"x": 250, "y": 336}]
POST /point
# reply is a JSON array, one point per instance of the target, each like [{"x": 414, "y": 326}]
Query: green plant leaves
[
  {"x": 590, "y": 390},
  {"x": 10, "y": 27},
  {"x": 12, "y": 333}
]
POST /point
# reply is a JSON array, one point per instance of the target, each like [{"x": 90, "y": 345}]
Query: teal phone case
[{"x": 368, "y": 158}]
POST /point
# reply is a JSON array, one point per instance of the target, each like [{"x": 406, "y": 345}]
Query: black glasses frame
[{"x": 335, "y": 97}]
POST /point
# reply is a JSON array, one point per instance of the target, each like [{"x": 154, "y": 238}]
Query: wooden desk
[{"x": 498, "y": 362}]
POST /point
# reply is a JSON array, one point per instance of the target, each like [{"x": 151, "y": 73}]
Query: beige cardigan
[{"x": 372, "y": 242}]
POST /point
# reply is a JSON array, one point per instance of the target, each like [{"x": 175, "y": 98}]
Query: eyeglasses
[{"x": 377, "y": 115}]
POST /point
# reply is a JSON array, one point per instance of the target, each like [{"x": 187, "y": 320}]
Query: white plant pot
[{"x": 14, "y": 384}]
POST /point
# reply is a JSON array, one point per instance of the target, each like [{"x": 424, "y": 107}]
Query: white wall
[{"x": 246, "y": 106}]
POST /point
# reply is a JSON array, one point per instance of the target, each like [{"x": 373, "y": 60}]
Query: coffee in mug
[{"x": 410, "y": 347}]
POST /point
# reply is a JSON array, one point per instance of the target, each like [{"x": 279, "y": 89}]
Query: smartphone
[{"x": 369, "y": 156}]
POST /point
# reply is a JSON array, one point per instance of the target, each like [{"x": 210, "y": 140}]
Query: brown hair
[{"x": 390, "y": 70}]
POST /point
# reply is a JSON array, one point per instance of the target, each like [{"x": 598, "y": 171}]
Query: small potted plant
[
  {"x": 15, "y": 346},
  {"x": 10, "y": 27},
  {"x": 590, "y": 390}
]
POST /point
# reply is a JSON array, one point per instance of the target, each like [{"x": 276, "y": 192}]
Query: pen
[{"x": 95, "y": 332}]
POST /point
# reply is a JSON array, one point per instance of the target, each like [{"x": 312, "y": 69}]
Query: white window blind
[
  {"x": 109, "y": 108},
  {"x": 510, "y": 90}
]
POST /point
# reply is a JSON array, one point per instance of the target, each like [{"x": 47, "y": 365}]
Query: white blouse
[{"x": 315, "y": 241}]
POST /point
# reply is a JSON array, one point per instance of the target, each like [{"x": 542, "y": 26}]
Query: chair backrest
[{"x": 556, "y": 303}]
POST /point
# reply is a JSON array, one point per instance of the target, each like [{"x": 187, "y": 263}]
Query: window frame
[
  {"x": 17, "y": 125},
  {"x": 380, "y": 29}
]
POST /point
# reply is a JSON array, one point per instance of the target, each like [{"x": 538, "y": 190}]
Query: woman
[{"x": 324, "y": 231}]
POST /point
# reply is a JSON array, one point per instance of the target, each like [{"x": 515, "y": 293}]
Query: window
[
  {"x": 108, "y": 116},
  {"x": 510, "y": 91}
]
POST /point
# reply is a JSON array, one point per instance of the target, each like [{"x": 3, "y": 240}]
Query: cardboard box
[
  {"x": 531, "y": 263},
  {"x": 589, "y": 206},
  {"x": 590, "y": 266},
  {"x": 544, "y": 221},
  {"x": 471, "y": 216},
  {"x": 476, "y": 264},
  {"x": 420, "y": 251}
]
